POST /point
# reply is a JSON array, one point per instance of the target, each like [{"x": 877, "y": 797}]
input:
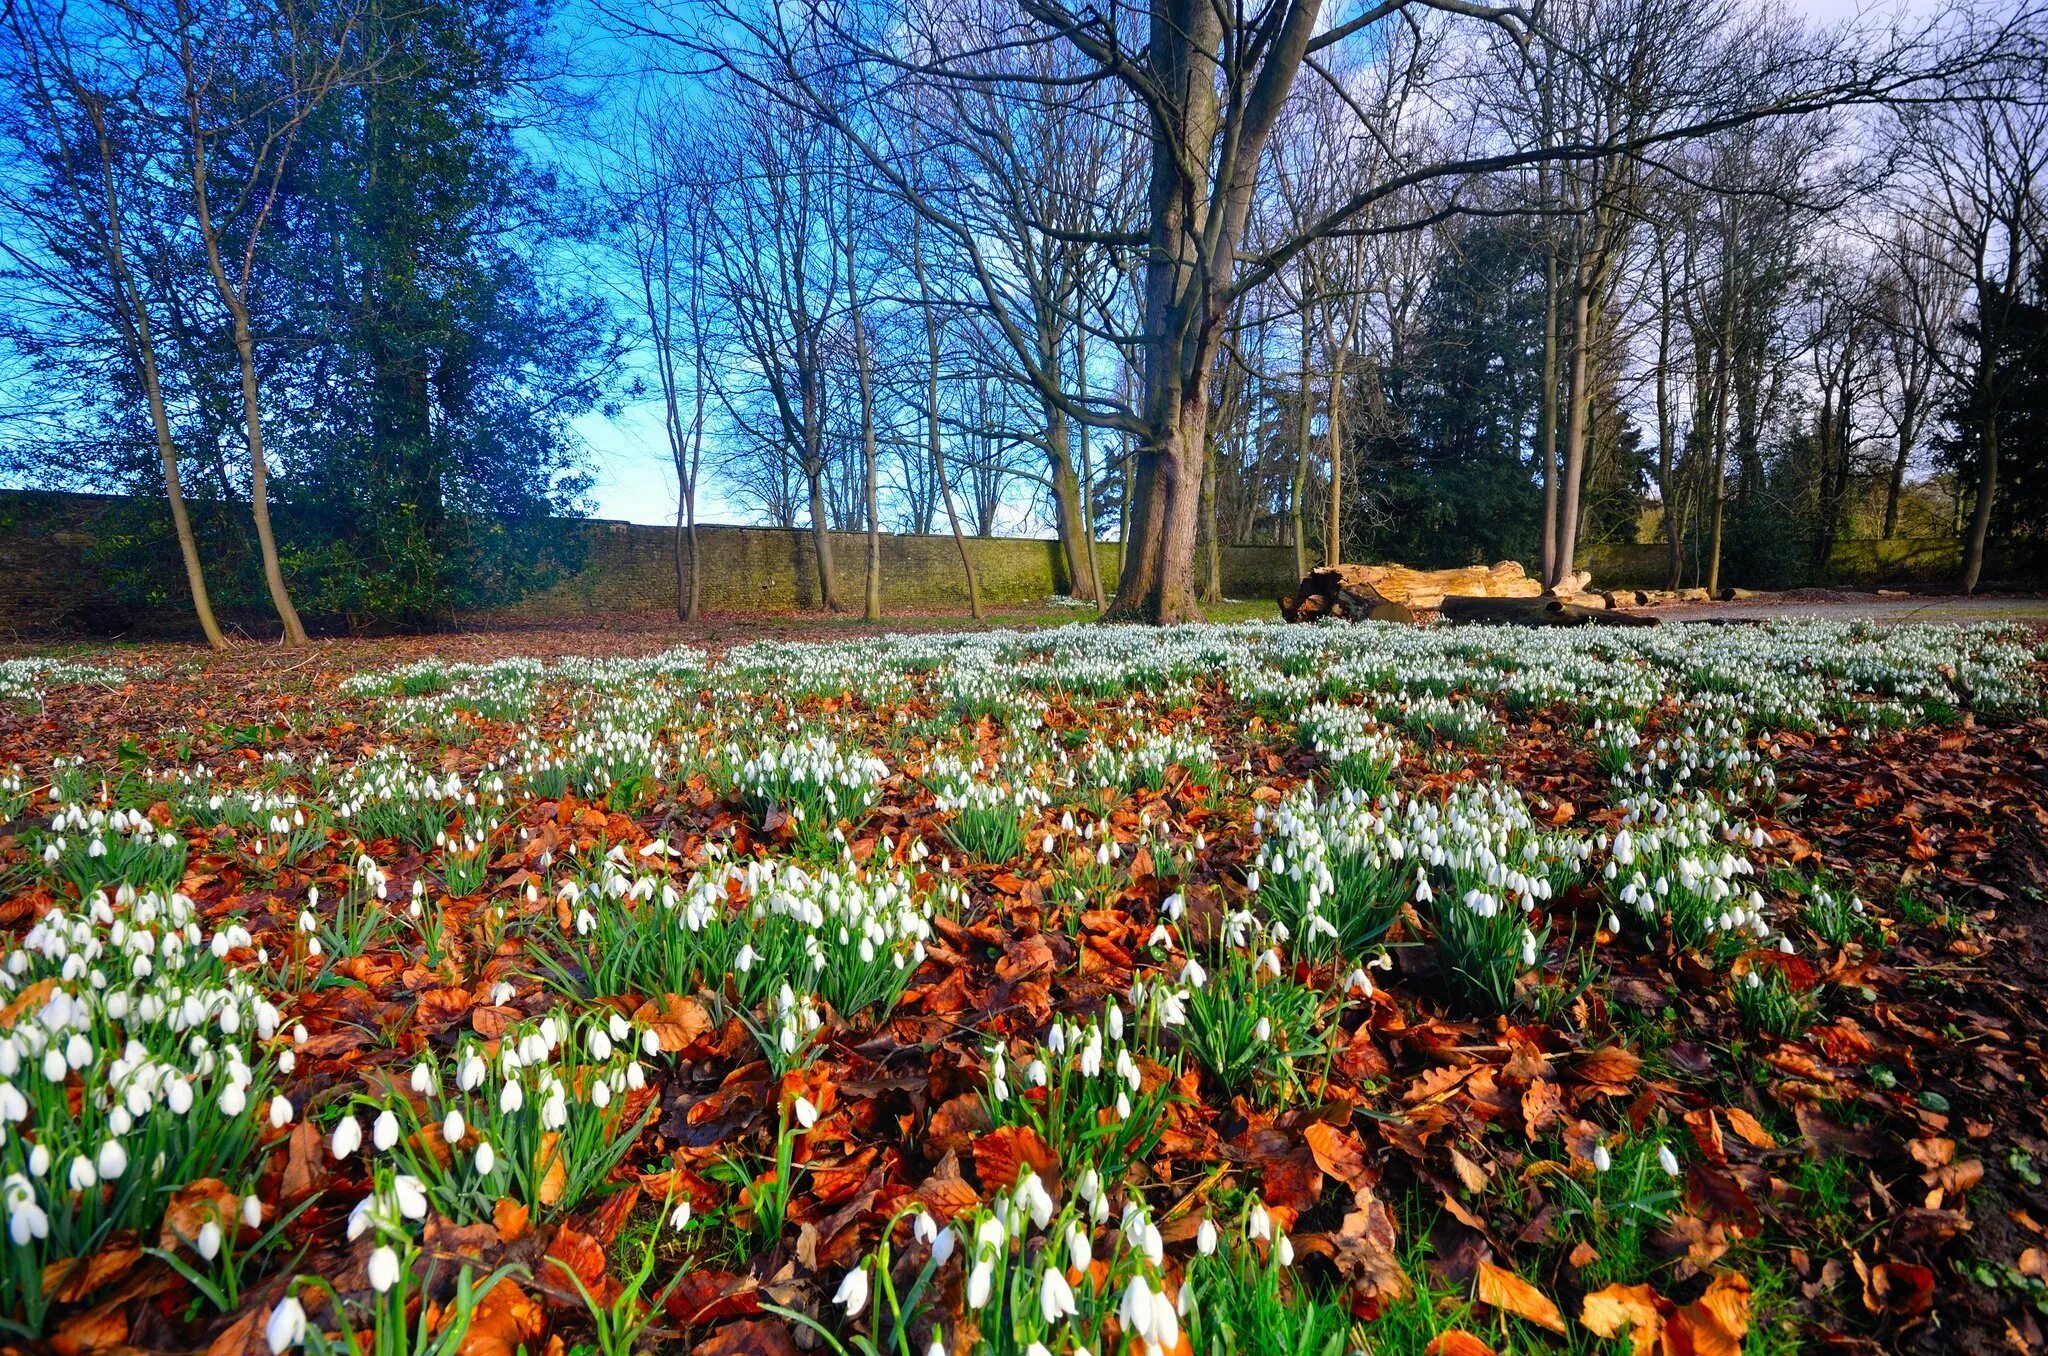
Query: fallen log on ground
[
  {"x": 1383, "y": 592},
  {"x": 1534, "y": 612}
]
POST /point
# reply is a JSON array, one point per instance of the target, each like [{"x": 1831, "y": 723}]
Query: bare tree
[
  {"x": 250, "y": 74},
  {"x": 79, "y": 123},
  {"x": 1984, "y": 166}
]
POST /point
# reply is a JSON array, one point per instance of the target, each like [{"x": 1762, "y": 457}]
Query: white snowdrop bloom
[
  {"x": 853, "y": 1291},
  {"x": 383, "y": 1268},
  {"x": 348, "y": 1137},
  {"x": 1205, "y": 1237},
  {"x": 207, "y": 1242},
  {"x": 1602, "y": 1160},
  {"x": 1056, "y": 1297},
  {"x": 411, "y": 1195},
  {"x": 486, "y": 1159},
  {"x": 384, "y": 1131},
  {"x": 112, "y": 1160},
  {"x": 511, "y": 1097},
  {"x": 1667, "y": 1160},
  {"x": 1258, "y": 1224},
  {"x": 453, "y": 1127},
  {"x": 806, "y": 1113},
  {"x": 286, "y": 1326},
  {"x": 980, "y": 1282}
]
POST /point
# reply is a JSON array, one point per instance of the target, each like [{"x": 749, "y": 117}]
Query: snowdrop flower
[
  {"x": 1258, "y": 1224},
  {"x": 1667, "y": 1160},
  {"x": 286, "y": 1327},
  {"x": 384, "y": 1132},
  {"x": 1205, "y": 1237},
  {"x": 1078, "y": 1253},
  {"x": 853, "y": 1291},
  {"x": 412, "y": 1196},
  {"x": 1285, "y": 1249},
  {"x": 979, "y": 1283},
  {"x": 486, "y": 1159},
  {"x": 1056, "y": 1297},
  {"x": 348, "y": 1137},
  {"x": 207, "y": 1244},
  {"x": 383, "y": 1268},
  {"x": 453, "y": 1128},
  {"x": 1602, "y": 1160},
  {"x": 806, "y": 1114}
]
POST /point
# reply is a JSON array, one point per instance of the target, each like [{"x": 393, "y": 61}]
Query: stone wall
[{"x": 49, "y": 582}]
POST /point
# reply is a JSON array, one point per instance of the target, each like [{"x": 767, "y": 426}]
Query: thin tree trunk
[
  {"x": 159, "y": 418},
  {"x": 1908, "y": 429},
  {"x": 1301, "y": 450},
  {"x": 1087, "y": 474},
  {"x": 1987, "y": 494},
  {"x": 1333, "y": 532}
]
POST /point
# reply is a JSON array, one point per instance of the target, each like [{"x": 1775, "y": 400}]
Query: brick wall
[{"x": 49, "y": 584}]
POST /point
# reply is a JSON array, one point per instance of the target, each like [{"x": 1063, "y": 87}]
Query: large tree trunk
[{"x": 1156, "y": 583}]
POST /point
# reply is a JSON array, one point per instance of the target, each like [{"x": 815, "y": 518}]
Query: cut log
[
  {"x": 1352, "y": 591},
  {"x": 1534, "y": 612}
]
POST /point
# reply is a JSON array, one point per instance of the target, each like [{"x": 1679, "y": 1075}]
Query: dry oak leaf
[
  {"x": 1001, "y": 1155},
  {"x": 1715, "y": 1323},
  {"x": 512, "y": 1219},
  {"x": 101, "y": 1329},
  {"x": 70, "y": 1279},
  {"x": 1749, "y": 1128},
  {"x": 1625, "y": 1308},
  {"x": 1542, "y": 1107},
  {"x": 554, "y": 1170},
  {"x": 1337, "y": 1152},
  {"x": 1456, "y": 1342},
  {"x": 1611, "y": 1066},
  {"x": 676, "y": 1022},
  {"x": 243, "y": 1336},
  {"x": 748, "y": 1337},
  {"x": 1504, "y": 1290},
  {"x": 506, "y": 1320},
  {"x": 191, "y": 1206},
  {"x": 305, "y": 1166}
]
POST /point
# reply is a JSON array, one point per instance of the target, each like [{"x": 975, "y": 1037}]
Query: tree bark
[
  {"x": 1333, "y": 531},
  {"x": 1987, "y": 493},
  {"x": 1578, "y": 405},
  {"x": 1301, "y": 447}
]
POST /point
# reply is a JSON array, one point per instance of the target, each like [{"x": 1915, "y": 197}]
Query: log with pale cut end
[{"x": 1353, "y": 592}]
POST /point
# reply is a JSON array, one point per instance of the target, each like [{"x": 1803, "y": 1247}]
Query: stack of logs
[{"x": 1502, "y": 593}]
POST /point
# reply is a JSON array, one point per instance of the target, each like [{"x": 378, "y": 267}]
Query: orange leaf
[
  {"x": 676, "y": 1022},
  {"x": 1001, "y": 1155},
  {"x": 1504, "y": 1290},
  {"x": 1630, "y": 1308},
  {"x": 1456, "y": 1342},
  {"x": 1749, "y": 1128},
  {"x": 191, "y": 1206},
  {"x": 1717, "y": 1321},
  {"x": 1337, "y": 1152},
  {"x": 507, "y": 1320},
  {"x": 554, "y": 1172}
]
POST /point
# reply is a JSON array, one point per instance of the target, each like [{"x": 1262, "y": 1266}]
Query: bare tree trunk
[
  {"x": 1547, "y": 421},
  {"x": 1579, "y": 402},
  {"x": 1301, "y": 447},
  {"x": 181, "y": 521},
  {"x": 1667, "y": 487},
  {"x": 1087, "y": 475},
  {"x": 1066, "y": 499},
  {"x": 1909, "y": 414},
  {"x": 1333, "y": 532},
  {"x": 1212, "y": 578},
  {"x": 1987, "y": 494},
  {"x": 933, "y": 446}
]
